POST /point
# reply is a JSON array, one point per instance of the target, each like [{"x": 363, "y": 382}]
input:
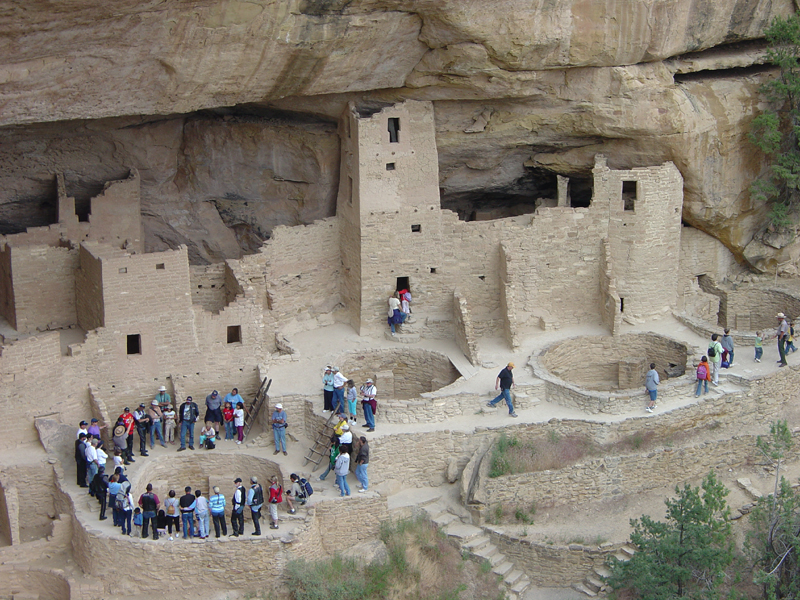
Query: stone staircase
[
  {"x": 594, "y": 583},
  {"x": 476, "y": 543}
]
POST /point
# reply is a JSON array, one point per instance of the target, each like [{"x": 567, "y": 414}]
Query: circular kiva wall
[
  {"x": 202, "y": 469},
  {"x": 609, "y": 363},
  {"x": 399, "y": 373}
]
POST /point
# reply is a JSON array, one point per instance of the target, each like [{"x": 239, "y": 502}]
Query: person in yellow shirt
[{"x": 338, "y": 427}]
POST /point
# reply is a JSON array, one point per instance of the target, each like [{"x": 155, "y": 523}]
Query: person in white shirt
[
  {"x": 338, "y": 391},
  {"x": 92, "y": 465}
]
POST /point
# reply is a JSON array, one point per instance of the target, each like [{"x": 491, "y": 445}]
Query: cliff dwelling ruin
[{"x": 578, "y": 209}]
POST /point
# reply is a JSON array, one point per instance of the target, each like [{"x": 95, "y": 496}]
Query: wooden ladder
[
  {"x": 251, "y": 412},
  {"x": 321, "y": 445}
]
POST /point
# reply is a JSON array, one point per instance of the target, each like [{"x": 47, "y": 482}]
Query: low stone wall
[
  {"x": 551, "y": 565},
  {"x": 706, "y": 329},
  {"x": 399, "y": 373}
]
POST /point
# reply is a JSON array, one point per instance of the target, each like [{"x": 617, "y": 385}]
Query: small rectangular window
[
  {"x": 433, "y": 269},
  {"x": 394, "y": 130},
  {"x": 234, "y": 334},
  {"x": 416, "y": 228},
  {"x": 160, "y": 267},
  {"x": 622, "y": 305},
  {"x": 134, "y": 345},
  {"x": 629, "y": 193},
  {"x": 350, "y": 190},
  {"x": 123, "y": 270},
  {"x": 390, "y": 166}
]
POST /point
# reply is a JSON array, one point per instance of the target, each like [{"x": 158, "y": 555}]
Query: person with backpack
[
  {"x": 300, "y": 490},
  {"x": 126, "y": 502},
  {"x": 238, "y": 502},
  {"x": 255, "y": 500},
  {"x": 715, "y": 358},
  {"x": 727, "y": 347},
  {"x": 149, "y": 503},
  {"x": 703, "y": 376},
  {"x": 113, "y": 489},
  {"x": 275, "y": 498},
  {"x": 172, "y": 509}
]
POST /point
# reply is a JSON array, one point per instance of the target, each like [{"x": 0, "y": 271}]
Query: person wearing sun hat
[
  {"x": 279, "y": 429},
  {"x": 163, "y": 398},
  {"x": 505, "y": 381}
]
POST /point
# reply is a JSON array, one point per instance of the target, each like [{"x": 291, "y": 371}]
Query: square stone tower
[{"x": 391, "y": 226}]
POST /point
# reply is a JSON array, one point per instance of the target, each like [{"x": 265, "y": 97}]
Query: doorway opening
[{"x": 402, "y": 284}]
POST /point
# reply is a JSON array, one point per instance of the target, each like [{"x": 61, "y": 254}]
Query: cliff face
[{"x": 522, "y": 90}]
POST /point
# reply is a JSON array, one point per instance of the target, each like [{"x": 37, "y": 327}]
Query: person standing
[
  {"x": 333, "y": 454},
  {"x": 187, "y": 504},
  {"x": 233, "y": 398},
  {"x": 342, "y": 468},
  {"x": 169, "y": 424},
  {"x": 214, "y": 409},
  {"x": 759, "y": 346},
  {"x": 238, "y": 503},
  {"x": 142, "y": 427},
  {"x": 238, "y": 422},
  {"x": 352, "y": 399},
  {"x": 149, "y": 504},
  {"x": 275, "y": 498},
  {"x": 279, "y": 429},
  {"x": 505, "y": 381},
  {"x": 172, "y": 509},
  {"x": 396, "y": 316},
  {"x": 715, "y": 358},
  {"x": 727, "y": 346},
  {"x": 783, "y": 336},
  {"x": 255, "y": 500},
  {"x": 327, "y": 389},
  {"x": 127, "y": 420},
  {"x": 703, "y": 376},
  {"x": 156, "y": 420},
  {"x": 92, "y": 463},
  {"x": 201, "y": 511},
  {"x": 368, "y": 403},
  {"x": 187, "y": 416},
  {"x": 338, "y": 390},
  {"x": 362, "y": 461},
  {"x": 163, "y": 399},
  {"x": 216, "y": 505},
  {"x": 651, "y": 382},
  {"x": 80, "y": 459}
]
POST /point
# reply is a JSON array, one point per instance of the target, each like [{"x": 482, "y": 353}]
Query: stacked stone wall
[{"x": 208, "y": 286}]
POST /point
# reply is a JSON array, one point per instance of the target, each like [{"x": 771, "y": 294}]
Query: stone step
[
  {"x": 462, "y": 531},
  {"x": 621, "y": 556},
  {"x": 476, "y": 543},
  {"x": 594, "y": 583},
  {"x": 579, "y": 587},
  {"x": 443, "y": 519},
  {"x": 490, "y": 553},
  {"x": 602, "y": 571},
  {"x": 402, "y": 338},
  {"x": 521, "y": 586},
  {"x": 503, "y": 568},
  {"x": 630, "y": 551},
  {"x": 513, "y": 577}
]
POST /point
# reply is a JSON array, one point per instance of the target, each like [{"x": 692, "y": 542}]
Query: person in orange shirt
[{"x": 703, "y": 376}]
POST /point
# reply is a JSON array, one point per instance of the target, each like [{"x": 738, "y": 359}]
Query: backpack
[
  {"x": 210, "y": 445},
  {"x": 306, "y": 486},
  {"x": 122, "y": 495},
  {"x": 258, "y": 495},
  {"x": 711, "y": 352},
  {"x": 702, "y": 371}
]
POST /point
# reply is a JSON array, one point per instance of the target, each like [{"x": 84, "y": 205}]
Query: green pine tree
[
  {"x": 686, "y": 556},
  {"x": 776, "y": 131}
]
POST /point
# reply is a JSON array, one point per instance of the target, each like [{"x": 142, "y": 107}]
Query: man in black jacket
[
  {"x": 142, "y": 427},
  {"x": 187, "y": 416},
  {"x": 237, "y": 514},
  {"x": 80, "y": 459}
]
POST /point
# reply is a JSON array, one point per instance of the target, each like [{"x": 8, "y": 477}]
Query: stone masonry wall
[
  {"x": 208, "y": 286},
  {"x": 44, "y": 287}
]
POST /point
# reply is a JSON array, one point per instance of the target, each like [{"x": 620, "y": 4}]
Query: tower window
[
  {"x": 629, "y": 193},
  {"x": 160, "y": 267},
  {"x": 390, "y": 166},
  {"x": 234, "y": 334},
  {"x": 134, "y": 344},
  {"x": 416, "y": 228},
  {"x": 394, "y": 130}
]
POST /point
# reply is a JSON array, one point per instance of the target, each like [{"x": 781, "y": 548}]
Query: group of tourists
[
  {"x": 167, "y": 424},
  {"x": 340, "y": 396},
  {"x": 399, "y": 309}
]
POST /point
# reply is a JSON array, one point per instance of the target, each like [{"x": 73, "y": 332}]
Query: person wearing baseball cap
[
  {"x": 279, "y": 429},
  {"x": 505, "y": 381},
  {"x": 127, "y": 420},
  {"x": 238, "y": 501},
  {"x": 214, "y": 409},
  {"x": 142, "y": 427}
]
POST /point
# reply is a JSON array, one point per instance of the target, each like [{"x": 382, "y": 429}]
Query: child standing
[
  {"x": 759, "y": 347},
  {"x": 169, "y": 424},
  {"x": 227, "y": 416},
  {"x": 703, "y": 376},
  {"x": 238, "y": 421},
  {"x": 352, "y": 398},
  {"x": 789, "y": 343},
  {"x": 137, "y": 521}
]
